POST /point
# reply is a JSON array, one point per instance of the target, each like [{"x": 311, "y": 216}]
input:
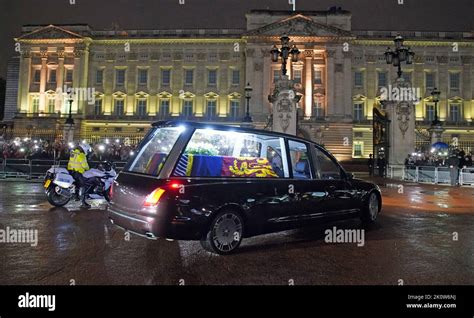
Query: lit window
[
  {"x": 318, "y": 109},
  {"x": 454, "y": 112},
  {"x": 51, "y": 105},
  {"x": 188, "y": 108},
  {"x": 98, "y": 107},
  {"x": 141, "y": 107},
  {"x": 164, "y": 107},
  {"x": 211, "y": 109},
  {"x": 35, "y": 105},
  {"x": 119, "y": 107},
  {"x": 234, "y": 109},
  {"x": 318, "y": 77},
  {"x": 430, "y": 110},
  {"x": 358, "y": 148}
]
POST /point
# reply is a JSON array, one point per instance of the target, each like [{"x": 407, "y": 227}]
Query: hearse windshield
[{"x": 155, "y": 151}]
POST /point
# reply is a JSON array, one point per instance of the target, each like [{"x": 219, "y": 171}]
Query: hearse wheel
[
  {"x": 371, "y": 209},
  {"x": 225, "y": 233}
]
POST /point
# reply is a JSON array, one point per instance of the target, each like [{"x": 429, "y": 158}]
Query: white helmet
[{"x": 85, "y": 147}]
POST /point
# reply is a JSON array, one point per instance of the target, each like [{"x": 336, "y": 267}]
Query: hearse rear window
[
  {"x": 153, "y": 154},
  {"x": 219, "y": 153}
]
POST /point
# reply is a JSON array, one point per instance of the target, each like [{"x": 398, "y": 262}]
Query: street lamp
[
  {"x": 400, "y": 54},
  {"x": 70, "y": 120},
  {"x": 435, "y": 98},
  {"x": 285, "y": 51},
  {"x": 248, "y": 94}
]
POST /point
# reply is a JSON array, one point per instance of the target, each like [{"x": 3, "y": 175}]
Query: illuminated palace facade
[{"x": 140, "y": 76}]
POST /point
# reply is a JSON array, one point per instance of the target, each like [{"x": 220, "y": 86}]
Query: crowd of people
[
  {"x": 435, "y": 159},
  {"x": 113, "y": 150}
]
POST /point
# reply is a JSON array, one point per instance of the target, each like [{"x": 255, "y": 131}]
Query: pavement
[{"x": 424, "y": 235}]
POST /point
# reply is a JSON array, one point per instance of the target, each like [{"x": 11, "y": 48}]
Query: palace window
[
  {"x": 98, "y": 107},
  {"x": 35, "y": 105},
  {"x": 188, "y": 108},
  {"x": 382, "y": 79},
  {"x": 318, "y": 109},
  {"x": 120, "y": 77},
  {"x": 188, "y": 77},
  {"x": 142, "y": 76},
  {"x": 37, "y": 76},
  {"x": 454, "y": 81},
  {"x": 99, "y": 77},
  {"x": 212, "y": 77},
  {"x": 234, "y": 109},
  {"x": 213, "y": 57},
  {"x": 69, "y": 75},
  {"x": 51, "y": 105},
  {"x": 119, "y": 107},
  {"x": 358, "y": 111},
  {"x": 164, "y": 107},
  {"x": 429, "y": 112},
  {"x": 318, "y": 77},
  {"x": 454, "y": 112},
  {"x": 358, "y": 148},
  {"x": 235, "y": 77},
  {"x": 358, "y": 79},
  {"x": 297, "y": 76},
  {"x": 211, "y": 108},
  {"x": 430, "y": 80},
  {"x": 165, "y": 77},
  {"x": 141, "y": 107},
  {"x": 407, "y": 77},
  {"x": 52, "y": 76}
]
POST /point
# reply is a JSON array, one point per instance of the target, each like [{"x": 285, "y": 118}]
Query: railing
[
  {"x": 430, "y": 174},
  {"x": 32, "y": 168}
]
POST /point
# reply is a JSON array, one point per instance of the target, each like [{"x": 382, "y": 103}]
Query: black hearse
[{"x": 218, "y": 184}]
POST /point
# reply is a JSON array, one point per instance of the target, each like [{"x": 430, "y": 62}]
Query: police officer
[{"x": 77, "y": 165}]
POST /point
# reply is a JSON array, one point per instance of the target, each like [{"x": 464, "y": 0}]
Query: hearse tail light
[
  {"x": 111, "y": 190},
  {"x": 153, "y": 198},
  {"x": 175, "y": 185}
]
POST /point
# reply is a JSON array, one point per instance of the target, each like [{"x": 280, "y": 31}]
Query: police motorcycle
[{"x": 60, "y": 187}]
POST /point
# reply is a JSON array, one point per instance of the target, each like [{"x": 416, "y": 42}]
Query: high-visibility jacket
[{"x": 78, "y": 161}]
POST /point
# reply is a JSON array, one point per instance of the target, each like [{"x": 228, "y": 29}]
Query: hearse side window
[
  {"x": 153, "y": 154},
  {"x": 299, "y": 160},
  {"x": 325, "y": 168},
  {"x": 232, "y": 154}
]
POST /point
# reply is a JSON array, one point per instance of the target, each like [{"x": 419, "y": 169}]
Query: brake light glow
[
  {"x": 175, "y": 185},
  {"x": 153, "y": 198},
  {"x": 111, "y": 190}
]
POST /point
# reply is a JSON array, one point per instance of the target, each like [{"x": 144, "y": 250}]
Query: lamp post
[
  {"x": 435, "y": 98},
  {"x": 285, "y": 52},
  {"x": 248, "y": 94},
  {"x": 70, "y": 120},
  {"x": 400, "y": 54}
]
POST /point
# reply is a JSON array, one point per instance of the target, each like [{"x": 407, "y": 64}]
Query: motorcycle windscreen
[{"x": 154, "y": 152}]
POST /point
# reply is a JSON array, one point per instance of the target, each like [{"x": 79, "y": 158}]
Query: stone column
[
  {"x": 44, "y": 78},
  {"x": 60, "y": 82},
  {"x": 24, "y": 82},
  {"x": 308, "y": 82}
]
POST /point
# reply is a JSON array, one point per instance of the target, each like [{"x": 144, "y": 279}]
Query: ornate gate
[{"x": 380, "y": 125}]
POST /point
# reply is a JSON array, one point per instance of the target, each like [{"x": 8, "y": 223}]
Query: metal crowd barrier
[
  {"x": 430, "y": 174},
  {"x": 36, "y": 168}
]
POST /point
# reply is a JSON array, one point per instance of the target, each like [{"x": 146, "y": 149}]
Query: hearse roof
[{"x": 172, "y": 123}]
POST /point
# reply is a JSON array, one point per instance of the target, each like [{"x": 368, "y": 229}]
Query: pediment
[
  {"x": 50, "y": 32},
  {"x": 299, "y": 25}
]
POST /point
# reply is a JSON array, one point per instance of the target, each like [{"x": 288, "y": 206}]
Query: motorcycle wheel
[{"x": 56, "y": 199}]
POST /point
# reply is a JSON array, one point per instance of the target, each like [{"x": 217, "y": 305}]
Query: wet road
[{"x": 425, "y": 235}]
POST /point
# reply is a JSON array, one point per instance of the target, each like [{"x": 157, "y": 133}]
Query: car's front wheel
[
  {"x": 371, "y": 208},
  {"x": 225, "y": 233}
]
